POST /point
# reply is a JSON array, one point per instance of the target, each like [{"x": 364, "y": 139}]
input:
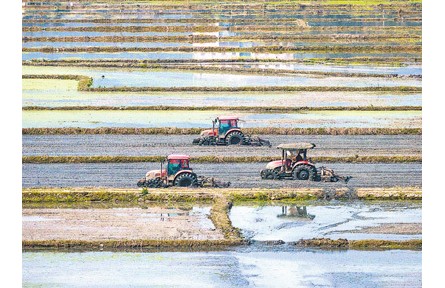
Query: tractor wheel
[
  {"x": 141, "y": 183},
  {"x": 153, "y": 183},
  {"x": 304, "y": 172},
  {"x": 235, "y": 138},
  {"x": 186, "y": 180},
  {"x": 270, "y": 174}
]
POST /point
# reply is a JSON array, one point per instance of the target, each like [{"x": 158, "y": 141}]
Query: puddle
[{"x": 292, "y": 223}]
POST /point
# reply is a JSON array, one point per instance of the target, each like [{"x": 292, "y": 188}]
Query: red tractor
[
  {"x": 294, "y": 164},
  {"x": 177, "y": 173},
  {"x": 225, "y": 131}
]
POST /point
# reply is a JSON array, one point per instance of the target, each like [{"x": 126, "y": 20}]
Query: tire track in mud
[
  {"x": 241, "y": 175},
  {"x": 155, "y": 145}
]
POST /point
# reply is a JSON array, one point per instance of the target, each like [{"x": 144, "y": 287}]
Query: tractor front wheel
[
  {"x": 235, "y": 138},
  {"x": 186, "y": 180},
  {"x": 270, "y": 174},
  {"x": 305, "y": 172}
]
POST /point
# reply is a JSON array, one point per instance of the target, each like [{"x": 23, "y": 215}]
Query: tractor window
[
  {"x": 174, "y": 166},
  {"x": 184, "y": 164},
  {"x": 224, "y": 126}
]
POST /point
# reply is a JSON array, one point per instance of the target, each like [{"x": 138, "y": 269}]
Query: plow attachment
[
  {"x": 201, "y": 181},
  {"x": 246, "y": 140},
  {"x": 328, "y": 175}
]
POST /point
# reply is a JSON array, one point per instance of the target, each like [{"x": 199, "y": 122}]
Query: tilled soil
[
  {"x": 241, "y": 175},
  {"x": 117, "y": 223},
  {"x": 146, "y": 145},
  {"x": 393, "y": 228}
]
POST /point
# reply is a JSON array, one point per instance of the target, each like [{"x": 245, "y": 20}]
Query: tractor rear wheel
[
  {"x": 235, "y": 138},
  {"x": 304, "y": 172},
  {"x": 186, "y": 180}
]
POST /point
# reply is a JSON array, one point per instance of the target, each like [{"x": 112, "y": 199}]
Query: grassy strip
[
  {"x": 249, "y": 28},
  {"x": 128, "y": 28},
  {"x": 259, "y": 109},
  {"x": 257, "y": 23},
  {"x": 258, "y": 89},
  {"x": 220, "y": 218},
  {"x": 386, "y": 61},
  {"x": 206, "y": 38},
  {"x": 264, "y": 49},
  {"x": 371, "y": 244},
  {"x": 200, "y": 67},
  {"x": 194, "y": 131},
  {"x": 395, "y": 193},
  {"x": 190, "y": 245},
  {"x": 213, "y": 159},
  {"x": 208, "y": 245},
  {"x": 174, "y": 194}
]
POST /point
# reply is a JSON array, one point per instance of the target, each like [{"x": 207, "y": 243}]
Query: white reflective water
[
  {"x": 330, "y": 221},
  {"x": 294, "y": 268}
]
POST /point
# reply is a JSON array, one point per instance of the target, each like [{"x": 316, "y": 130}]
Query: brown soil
[
  {"x": 115, "y": 224},
  {"x": 393, "y": 228}
]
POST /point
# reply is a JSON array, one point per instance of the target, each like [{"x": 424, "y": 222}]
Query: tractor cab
[
  {"x": 293, "y": 164},
  {"x": 226, "y": 131},
  {"x": 294, "y": 154},
  {"x": 224, "y": 124},
  {"x": 176, "y": 163}
]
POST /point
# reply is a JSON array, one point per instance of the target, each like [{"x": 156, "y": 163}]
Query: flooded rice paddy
[
  {"x": 57, "y": 93},
  {"x": 244, "y": 26},
  {"x": 53, "y": 95},
  {"x": 302, "y": 268},
  {"x": 156, "y": 78},
  {"x": 172, "y": 118},
  {"x": 294, "y": 222}
]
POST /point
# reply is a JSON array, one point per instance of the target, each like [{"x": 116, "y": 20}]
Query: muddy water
[
  {"x": 295, "y": 222},
  {"x": 241, "y": 175},
  {"x": 302, "y": 268}
]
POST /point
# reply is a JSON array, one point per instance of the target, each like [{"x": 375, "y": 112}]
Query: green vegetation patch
[
  {"x": 214, "y": 159},
  {"x": 371, "y": 244}
]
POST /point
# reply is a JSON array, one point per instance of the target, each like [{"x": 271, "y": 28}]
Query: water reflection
[{"x": 295, "y": 212}]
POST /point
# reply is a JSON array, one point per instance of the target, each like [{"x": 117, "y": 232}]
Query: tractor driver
[
  {"x": 295, "y": 158},
  {"x": 299, "y": 158}
]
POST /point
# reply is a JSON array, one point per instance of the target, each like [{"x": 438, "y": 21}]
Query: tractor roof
[
  {"x": 296, "y": 146},
  {"x": 228, "y": 118},
  {"x": 178, "y": 157}
]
